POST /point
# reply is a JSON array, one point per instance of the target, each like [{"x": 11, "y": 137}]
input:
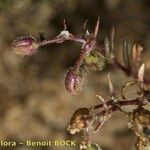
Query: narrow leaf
[
  {"x": 107, "y": 47},
  {"x": 141, "y": 73},
  {"x": 103, "y": 100},
  {"x": 126, "y": 54},
  {"x": 111, "y": 88},
  {"x": 84, "y": 26},
  {"x": 64, "y": 24},
  {"x": 97, "y": 27},
  {"x": 139, "y": 52},
  {"x": 112, "y": 39},
  {"x": 87, "y": 33}
]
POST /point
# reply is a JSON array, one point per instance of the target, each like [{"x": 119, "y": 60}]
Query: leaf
[
  {"x": 84, "y": 29},
  {"x": 111, "y": 88},
  {"x": 136, "y": 55},
  {"x": 96, "y": 27},
  {"x": 139, "y": 50},
  {"x": 107, "y": 47},
  {"x": 126, "y": 54},
  {"x": 87, "y": 33},
  {"x": 112, "y": 34},
  {"x": 65, "y": 24},
  {"x": 103, "y": 101}
]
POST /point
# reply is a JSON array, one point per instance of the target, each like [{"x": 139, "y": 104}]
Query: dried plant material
[
  {"x": 107, "y": 47},
  {"x": 140, "y": 124},
  {"x": 103, "y": 119},
  {"x": 136, "y": 56},
  {"x": 126, "y": 54},
  {"x": 87, "y": 34},
  {"x": 84, "y": 31},
  {"x": 111, "y": 87},
  {"x": 140, "y": 120},
  {"x": 77, "y": 122},
  {"x": 108, "y": 52},
  {"x": 139, "y": 58},
  {"x": 103, "y": 100},
  {"x": 142, "y": 144},
  {"x": 65, "y": 24},
  {"x": 84, "y": 26},
  {"x": 125, "y": 86},
  {"x": 96, "y": 28},
  {"x": 112, "y": 35},
  {"x": 141, "y": 74}
]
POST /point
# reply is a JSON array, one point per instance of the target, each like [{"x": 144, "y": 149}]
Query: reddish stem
[
  {"x": 115, "y": 106},
  {"x": 120, "y": 103}
]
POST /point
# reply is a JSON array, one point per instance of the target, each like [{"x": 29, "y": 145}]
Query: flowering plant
[{"x": 94, "y": 56}]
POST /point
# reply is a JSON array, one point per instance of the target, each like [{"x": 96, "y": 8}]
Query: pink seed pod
[
  {"x": 25, "y": 46},
  {"x": 74, "y": 81}
]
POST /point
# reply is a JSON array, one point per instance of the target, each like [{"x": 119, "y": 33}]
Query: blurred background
[{"x": 33, "y": 101}]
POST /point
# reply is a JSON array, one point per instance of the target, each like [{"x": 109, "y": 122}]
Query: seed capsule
[
  {"x": 140, "y": 122},
  {"x": 74, "y": 81},
  {"x": 25, "y": 46},
  {"x": 77, "y": 122}
]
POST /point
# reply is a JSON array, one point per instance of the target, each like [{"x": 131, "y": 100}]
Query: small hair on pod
[{"x": 25, "y": 46}]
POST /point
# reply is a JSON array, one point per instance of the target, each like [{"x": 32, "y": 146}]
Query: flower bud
[
  {"x": 25, "y": 46},
  {"x": 74, "y": 81}
]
